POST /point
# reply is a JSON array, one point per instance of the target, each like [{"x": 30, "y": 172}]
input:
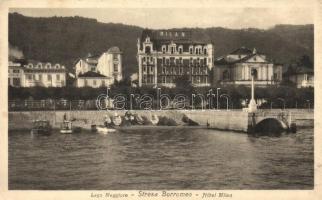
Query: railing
[{"x": 34, "y": 105}]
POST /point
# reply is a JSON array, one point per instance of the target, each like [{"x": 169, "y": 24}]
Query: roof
[
  {"x": 165, "y": 37},
  {"x": 114, "y": 50},
  {"x": 225, "y": 61},
  {"x": 92, "y": 74},
  {"x": 242, "y": 51}
]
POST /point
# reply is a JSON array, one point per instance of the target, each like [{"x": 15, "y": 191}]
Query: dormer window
[
  {"x": 180, "y": 49},
  {"x": 191, "y": 50},
  {"x": 172, "y": 50},
  {"x": 148, "y": 49},
  {"x": 163, "y": 49}
]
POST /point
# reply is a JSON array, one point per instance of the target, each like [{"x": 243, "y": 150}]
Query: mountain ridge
[{"x": 65, "y": 39}]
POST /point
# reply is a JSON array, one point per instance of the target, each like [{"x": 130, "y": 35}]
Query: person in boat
[{"x": 107, "y": 121}]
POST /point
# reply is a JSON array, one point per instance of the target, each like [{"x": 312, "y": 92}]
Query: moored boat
[
  {"x": 66, "y": 127},
  {"x": 41, "y": 127},
  {"x": 105, "y": 130}
]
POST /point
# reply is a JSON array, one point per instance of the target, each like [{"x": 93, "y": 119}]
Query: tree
[{"x": 305, "y": 61}]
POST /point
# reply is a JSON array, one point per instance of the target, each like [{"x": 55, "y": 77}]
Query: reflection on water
[{"x": 160, "y": 159}]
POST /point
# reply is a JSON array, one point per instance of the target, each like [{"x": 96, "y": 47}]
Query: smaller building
[
  {"x": 15, "y": 74},
  {"x": 235, "y": 68},
  {"x": 301, "y": 76},
  {"x": 93, "y": 79},
  {"x": 44, "y": 74},
  {"x": 34, "y": 73},
  {"x": 89, "y": 63},
  {"x": 108, "y": 64}
]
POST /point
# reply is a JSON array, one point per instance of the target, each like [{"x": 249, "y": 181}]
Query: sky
[{"x": 175, "y": 17}]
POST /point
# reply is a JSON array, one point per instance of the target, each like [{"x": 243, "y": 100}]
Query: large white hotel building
[{"x": 165, "y": 55}]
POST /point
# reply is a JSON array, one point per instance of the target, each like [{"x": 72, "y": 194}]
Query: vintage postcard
[{"x": 160, "y": 99}]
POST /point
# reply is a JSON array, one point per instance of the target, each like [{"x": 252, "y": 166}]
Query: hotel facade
[{"x": 163, "y": 56}]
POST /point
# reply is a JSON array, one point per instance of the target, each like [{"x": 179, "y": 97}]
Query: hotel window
[
  {"x": 205, "y": 61},
  {"x": 49, "y": 77},
  {"x": 161, "y": 33},
  {"x": 163, "y": 70},
  {"x": 163, "y": 61},
  {"x": 16, "y": 81},
  {"x": 182, "y": 34},
  {"x": 85, "y": 83},
  {"x": 16, "y": 71},
  {"x": 180, "y": 50},
  {"x": 205, "y": 51},
  {"x": 191, "y": 50},
  {"x": 163, "y": 49},
  {"x": 94, "y": 82},
  {"x": 181, "y": 70},
  {"x": 115, "y": 56},
  {"x": 40, "y": 76},
  {"x": 168, "y": 61},
  {"x": 103, "y": 83},
  {"x": 143, "y": 59},
  {"x": 144, "y": 69},
  {"x": 164, "y": 79},
  {"x": 115, "y": 68},
  {"x": 57, "y": 77},
  {"x": 172, "y": 50},
  {"x": 148, "y": 49}
]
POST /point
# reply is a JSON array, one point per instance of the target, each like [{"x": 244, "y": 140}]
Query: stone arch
[{"x": 270, "y": 126}]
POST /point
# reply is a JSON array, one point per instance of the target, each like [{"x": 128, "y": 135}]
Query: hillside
[{"x": 64, "y": 39}]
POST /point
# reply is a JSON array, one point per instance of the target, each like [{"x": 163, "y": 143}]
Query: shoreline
[{"x": 234, "y": 120}]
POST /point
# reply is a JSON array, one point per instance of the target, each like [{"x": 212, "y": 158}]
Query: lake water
[{"x": 160, "y": 159}]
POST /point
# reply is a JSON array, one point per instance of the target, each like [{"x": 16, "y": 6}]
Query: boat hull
[
  {"x": 105, "y": 130},
  {"x": 66, "y": 131}
]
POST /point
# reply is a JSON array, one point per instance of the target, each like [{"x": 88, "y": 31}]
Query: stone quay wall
[{"x": 235, "y": 120}]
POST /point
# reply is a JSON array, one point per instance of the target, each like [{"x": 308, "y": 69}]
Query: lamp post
[
  {"x": 283, "y": 100},
  {"x": 252, "y": 106},
  {"x": 218, "y": 97},
  {"x": 227, "y": 100}
]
